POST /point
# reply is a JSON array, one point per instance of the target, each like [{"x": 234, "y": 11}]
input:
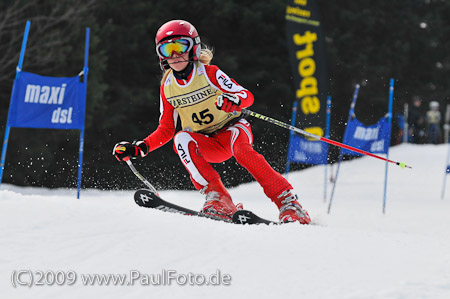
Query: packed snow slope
[{"x": 356, "y": 251}]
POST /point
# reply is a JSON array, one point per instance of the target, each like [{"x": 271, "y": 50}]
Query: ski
[{"x": 148, "y": 199}]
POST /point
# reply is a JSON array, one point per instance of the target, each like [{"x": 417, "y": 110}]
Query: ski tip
[{"x": 248, "y": 217}]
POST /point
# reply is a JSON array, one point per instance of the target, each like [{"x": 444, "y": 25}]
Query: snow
[{"x": 356, "y": 251}]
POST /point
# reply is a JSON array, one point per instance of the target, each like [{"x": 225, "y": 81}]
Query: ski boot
[
  {"x": 218, "y": 202},
  {"x": 290, "y": 209}
]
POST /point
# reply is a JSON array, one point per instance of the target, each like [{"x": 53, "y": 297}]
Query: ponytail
[{"x": 206, "y": 55}]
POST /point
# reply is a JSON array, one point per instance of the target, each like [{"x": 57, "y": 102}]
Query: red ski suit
[{"x": 197, "y": 150}]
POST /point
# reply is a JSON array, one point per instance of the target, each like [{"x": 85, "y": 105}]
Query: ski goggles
[{"x": 170, "y": 47}]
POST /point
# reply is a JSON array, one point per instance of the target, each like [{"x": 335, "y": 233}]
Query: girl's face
[{"x": 179, "y": 62}]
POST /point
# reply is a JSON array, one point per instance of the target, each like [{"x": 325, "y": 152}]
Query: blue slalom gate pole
[
  {"x": 391, "y": 97},
  {"x": 18, "y": 70},
  {"x": 447, "y": 171},
  {"x": 80, "y": 163},
  {"x": 85, "y": 74},
  {"x": 291, "y": 134},
  {"x": 327, "y": 135},
  {"x": 447, "y": 139},
  {"x": 350, "y": 115}
]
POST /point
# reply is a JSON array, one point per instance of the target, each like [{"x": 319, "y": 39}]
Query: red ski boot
[
  {"x": 290, "y": 209},
  {"x": 218, "y": 202}
]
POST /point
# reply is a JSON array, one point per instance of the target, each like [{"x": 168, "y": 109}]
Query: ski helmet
[
  {"x": 434, "y": 105},
  {"x": 177, "y": 36}
]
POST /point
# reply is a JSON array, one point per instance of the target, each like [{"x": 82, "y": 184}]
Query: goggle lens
[{"x": 179, "y": 46}]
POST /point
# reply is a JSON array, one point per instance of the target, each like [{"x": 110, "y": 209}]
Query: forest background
[{"x": 367, "y": 42}]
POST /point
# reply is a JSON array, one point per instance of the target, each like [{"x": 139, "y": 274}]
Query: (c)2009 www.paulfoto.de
[{"x": 30, "y": 278}]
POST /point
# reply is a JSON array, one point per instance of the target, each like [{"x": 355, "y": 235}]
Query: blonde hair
[{"x": 206, "y": 55}]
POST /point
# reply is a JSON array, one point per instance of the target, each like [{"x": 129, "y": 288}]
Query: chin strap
[{"x": 165, "y": 65}]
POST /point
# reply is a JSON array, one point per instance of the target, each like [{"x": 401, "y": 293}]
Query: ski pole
[
  {"x": 141, "y": 177},
  {"x": 329, "y": 141}
]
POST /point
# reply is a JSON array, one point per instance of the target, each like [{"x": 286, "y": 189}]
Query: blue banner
[
  {"x": 374, "y": 139},
  {"x": 47, "y": 102},
  {"x": 305, "y": 151}
]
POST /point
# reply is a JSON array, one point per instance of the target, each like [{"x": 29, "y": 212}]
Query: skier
[{"x": 209, "y": 104}]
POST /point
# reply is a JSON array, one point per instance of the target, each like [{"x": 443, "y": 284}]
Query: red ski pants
[{"x": 197, "y": 151}]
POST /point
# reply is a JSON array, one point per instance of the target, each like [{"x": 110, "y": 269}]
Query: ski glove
[
  {"x": 228, "y": 102},
  {"x": 124, "y": 150}
]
